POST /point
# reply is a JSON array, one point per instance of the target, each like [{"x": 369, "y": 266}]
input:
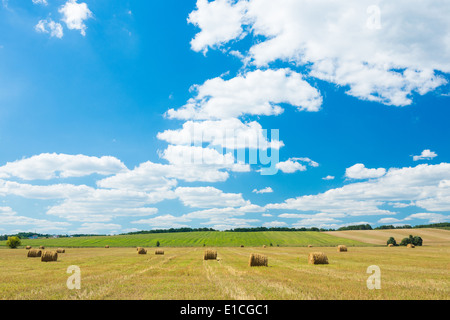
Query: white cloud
[
  {"x": 224, "y": 213},
  {"x": 165, "y": 222},
  {"x": 49, "y": 26},
  {"x": 231, "y": 223},
  {"x": 74, "y": 15},
  {"x": 209, "y": 197},
  {"x": 96, "y": 228},
  {"x": 43, "y": 2},
  {"x": 51, "y": 165},
  {"x": 253, "y": 93},
  {"x": 431, "y": 217},
  {"x": 290, "y": 166},
  {"x": 388, "y": 220},
  {"x": 227, "y": 134},
  {"x": 359, "y": 171},
  {"x": 420, "y": 185},
  {"x": 10, "y": 219},
  {"x": 265, "y": 190},
  {"x": 328, "y": 178},
  {"x": 275, "y": 224},
  {"x": 425, "y": 155},
  {"x": 334, "y": 42},
  {"x": 221, "y": 21}
]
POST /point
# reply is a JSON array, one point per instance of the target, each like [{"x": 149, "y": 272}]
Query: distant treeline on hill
[{"x": 26, "y": 235}]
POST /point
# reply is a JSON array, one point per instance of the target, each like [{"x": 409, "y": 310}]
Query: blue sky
[{"x": 103, "y": 103}]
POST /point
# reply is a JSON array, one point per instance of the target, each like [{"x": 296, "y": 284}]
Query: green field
[
  {"x": 182, "y": 274},
  {"x": 198, "y": 239}
]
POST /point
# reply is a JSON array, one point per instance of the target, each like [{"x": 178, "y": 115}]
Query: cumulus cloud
[
  {"x": 43, "y": 2},
  {"x": 328, "y": 178},
  {"x": 209, "y": 197},
  {"x": 164, "y": 222},
  {"x": 336, "y": 43},
  {"x": 221, "y": 21},
  {"x": 420, "y": 185},
  {"x": 74, "y": 15},
  {"x": 254, "y": 93},
  {"x": 265, "y": 190},
  {"x": 359, "y": 171},
  {"x": 49, "y": 26},
  {"x": 425, "y": 155},
  {"x": 290, "y": 166},
  {"x": 96, "y": 228},
  {"x": 228, "y": 134},
  {"x": 52, "y": 165}
]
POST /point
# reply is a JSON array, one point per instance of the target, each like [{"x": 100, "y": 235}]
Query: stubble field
[{"x": 181, "y": 273}]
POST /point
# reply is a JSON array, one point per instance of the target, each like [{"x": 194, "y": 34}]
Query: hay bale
[
  {"x": 390, "y": 245},
  {"x": 210, "y": 255},
  {"x": 242, "y": 245},
  {"x": 410, "y": 245},
  {"x": 42, "y": 247},
  {"x": 159, "y": 251},
  {"x": 341, "y": 248},
  {"x": 258, "y": 260},
  {"x": 49, "y": 256},
  {"x": 34, "y": 253},
  {"x": 317, "y": 258},
  {"x": 309, "y": 246},
  {"x": 264, "y": 246},
  {"x": 60, "y": 250},
  {"x": 141, "y": 250},
  {"x": 28, "y": 247},
  {"x": 106, "y": 246}
]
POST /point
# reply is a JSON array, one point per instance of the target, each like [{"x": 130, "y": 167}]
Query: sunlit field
[{"x": 181, "y": 273}]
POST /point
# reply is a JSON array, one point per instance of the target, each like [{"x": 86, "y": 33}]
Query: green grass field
[
  {"x": 197, "y": 239},
  {"x": 181, "y": 273}
]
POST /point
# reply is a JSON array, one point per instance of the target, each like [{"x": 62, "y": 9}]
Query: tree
[
  {"x": 157, "y": 243},
  {"x": 13, "y": 242},
  {"x": 392, "y": 241},
  {"x": 417, "y": 241}
]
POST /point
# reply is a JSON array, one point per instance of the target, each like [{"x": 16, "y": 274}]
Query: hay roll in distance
[
  {"x": 258, "y": 260},
  {"x": 42, "y": 247},
  {"x": 341, "y": 248},
  {"x": 141, "y": 250},
  {"x": 390, "y": 245},
  {"x": 210, "y": 255},
  {"x": 28, "y": 247},
  {"x": 60, "y": 250},
  {"x": 48, "y": 256},
  {"x": 317, "y": 258},
  {"x": 34, "y": 253},
  {"x": 309, "y": 246},
  {"x": 159, "y": 251},
  {"x": 106, "y": 246},
  {"x": 410, "y": 245}
]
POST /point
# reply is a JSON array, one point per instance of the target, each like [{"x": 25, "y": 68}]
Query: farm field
[
  {"x": 198, "y": 239},
  {"x": 430, "y": 236},
  {"x": 181, "y": 273}
]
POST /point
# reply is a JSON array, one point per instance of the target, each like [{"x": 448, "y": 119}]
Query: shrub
[
  {"x": 392, "y": 241},
  {"x": 13, "y": 242},
  {"x": 417, "y": 241},
  {"x": 158, "y": 244}
]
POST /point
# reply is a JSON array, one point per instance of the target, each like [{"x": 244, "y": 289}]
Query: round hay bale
[
  {"x": 410, "y": 245},
  {"x": 159, "y": 251},
  {"x": 60, "y": 250},
  {"x": 210, "y": 255},
  {"x": 42, "y": 247},
  {"x": 264, "y": 246},
  {"x": 106, "y": 246},
  {"x": 242, "y": 245},
  {"x": 141, "y": 250},
  {"x": 34, "y": 253},
  {"x": 341, "y": 248},
  {"x": 390, "y": 245},
  {"x": 317, "y": 258},
  {"x": 48, "y": 256},
  {"x": 258, "y": 260},
  {"x": 309, "y": 246},
  {"x": 28, "y": 247}
]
